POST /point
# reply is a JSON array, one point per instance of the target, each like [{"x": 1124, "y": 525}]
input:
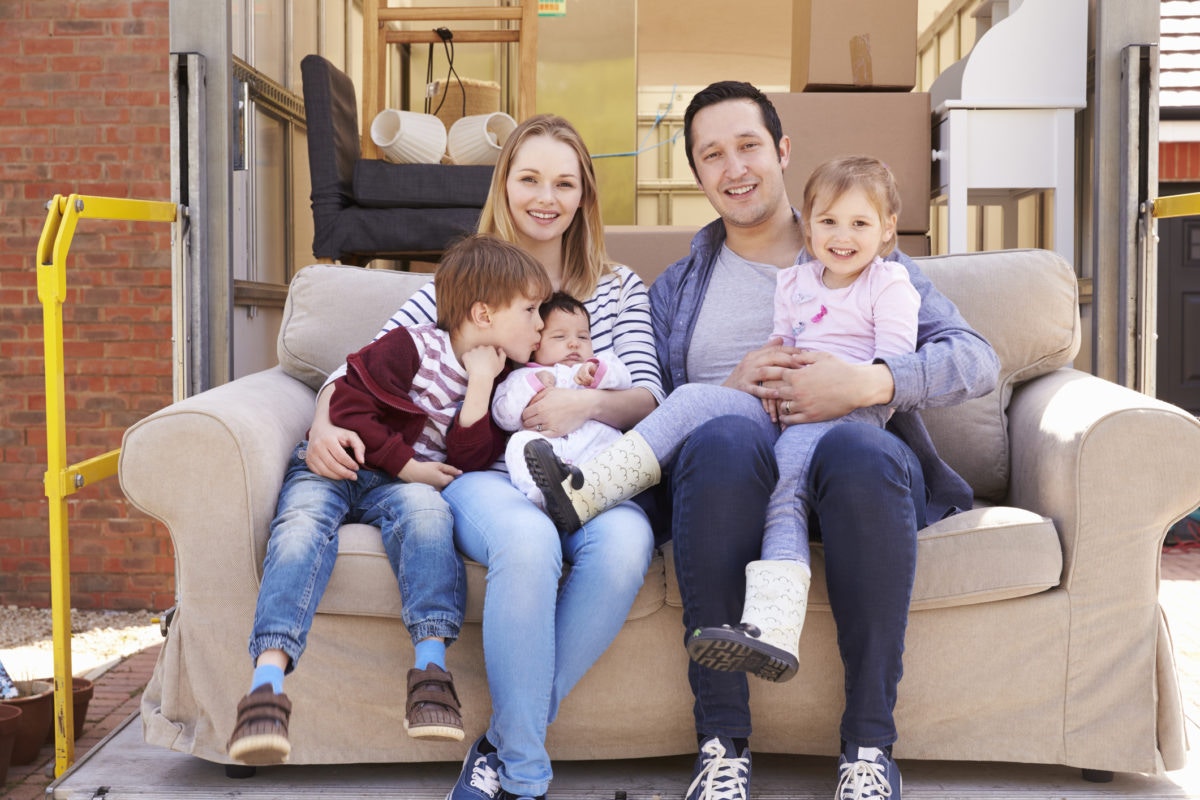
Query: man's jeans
[
  {"x": 864, "y": 482},
  {"x": 418, "y": 535}
]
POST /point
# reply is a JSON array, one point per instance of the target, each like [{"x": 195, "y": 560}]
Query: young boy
[
  {"x": 564, "y": 358},
  {"x": 419, "y": 399}
]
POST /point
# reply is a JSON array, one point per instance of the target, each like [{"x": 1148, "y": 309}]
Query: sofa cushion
[
  {"x": 1026, "y": 304},
  {"x": 363, "y": 584},
  {"x": 361, "y": 299},
  {"x": 382, "y": 184},
  {"x": 981, "y": 555}
]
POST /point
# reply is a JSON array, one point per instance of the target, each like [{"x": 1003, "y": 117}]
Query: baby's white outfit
[{"x": 590, "y": 438}]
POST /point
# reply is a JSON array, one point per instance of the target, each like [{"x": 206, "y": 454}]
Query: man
[{"x": 872, "y": 489}]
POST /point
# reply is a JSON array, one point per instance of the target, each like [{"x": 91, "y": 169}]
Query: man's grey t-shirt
[{"x": 735, "y": 317}]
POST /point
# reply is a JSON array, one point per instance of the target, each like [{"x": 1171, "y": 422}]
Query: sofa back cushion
[
  {"x": 1026, "y": 304},
  {"x": 332, "y": 311}
]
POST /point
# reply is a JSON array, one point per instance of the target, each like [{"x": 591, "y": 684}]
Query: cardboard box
[
  {"x": 648, "y": 249},
  {"x": 891, "y": 126},
  {"x": 841, "y": 45},
  {"x": 913, "y": 244}
]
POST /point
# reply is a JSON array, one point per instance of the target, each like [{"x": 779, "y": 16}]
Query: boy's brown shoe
[
  {"x": 433, "y": 711},
  {"x": 260, "y": 736}
]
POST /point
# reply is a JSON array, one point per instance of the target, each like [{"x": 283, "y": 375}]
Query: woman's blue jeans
[
  {"x": 868, "y": 504},
  {"x": 417, "y": 530},
  {"x": 540, "y": 636}
]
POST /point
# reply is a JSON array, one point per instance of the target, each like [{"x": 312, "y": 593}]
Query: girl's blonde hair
[
  {"x": 835, "y": 177},
  {"x": 584, "y": 258}
]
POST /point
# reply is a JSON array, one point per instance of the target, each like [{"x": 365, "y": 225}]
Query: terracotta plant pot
[
  {"x": 81, "y": 695},
  {"x": 10, "y": 718},
  {"x": 37, "y": 709}
]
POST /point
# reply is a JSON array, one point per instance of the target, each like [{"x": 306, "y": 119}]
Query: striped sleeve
[
  {"x": 620, "y": 311},
  {"x": 419, "y": 309}
]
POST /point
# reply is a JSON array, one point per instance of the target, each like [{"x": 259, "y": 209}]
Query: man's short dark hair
[
  {"x": 561, "y": 301},
  {"x": 721, "y": 91}
]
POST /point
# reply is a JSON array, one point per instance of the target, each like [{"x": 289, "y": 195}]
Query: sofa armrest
[
  {"x": 210, "y": 468},
  {"x": 1112, "y": 467}
]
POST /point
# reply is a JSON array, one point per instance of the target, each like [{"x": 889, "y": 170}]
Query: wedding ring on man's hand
[
  {"x": 539, "y": 427},
  {"x": 787, "y": 406}
]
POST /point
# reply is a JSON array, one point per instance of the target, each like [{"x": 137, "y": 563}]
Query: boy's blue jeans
[
  {"x": 868, "y": 504},
  {"x": 418, "y": 535}
]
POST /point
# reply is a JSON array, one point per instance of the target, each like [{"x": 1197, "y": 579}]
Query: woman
[{"x": 539, "y": 637}]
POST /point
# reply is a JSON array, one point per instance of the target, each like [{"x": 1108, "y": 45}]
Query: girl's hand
[{"x": 771, "y": 406}]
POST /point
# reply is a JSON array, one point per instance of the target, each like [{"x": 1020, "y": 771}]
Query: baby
[{"x": 563, "y": 359}]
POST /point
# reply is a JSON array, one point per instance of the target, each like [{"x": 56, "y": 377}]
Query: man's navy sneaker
[
  {"x": 867, "y": 773},
  {"x": 721, "y": 773}
]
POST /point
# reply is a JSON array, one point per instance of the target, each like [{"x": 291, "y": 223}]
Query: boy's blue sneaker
[
  {"x": 867, "y": 773},
  {"x": 720, "y": 773},
  {"x": 480, "y": 776}
]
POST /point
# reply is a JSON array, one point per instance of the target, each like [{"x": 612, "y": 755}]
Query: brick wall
[
  {"x": 83, "y": 109},
  {"x": 1179, "y": 161}
]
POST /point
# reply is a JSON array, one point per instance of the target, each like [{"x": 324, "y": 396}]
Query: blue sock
[
  {"x": 267, "y": 674},
  {"x": 430, "y": 651}
]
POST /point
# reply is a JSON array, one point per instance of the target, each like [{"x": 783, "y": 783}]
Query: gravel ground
[{"x": 99, "y": 639}]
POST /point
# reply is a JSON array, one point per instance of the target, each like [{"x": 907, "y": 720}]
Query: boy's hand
[
  {"x": 484, "y": 362},
  {"x": 546, "y": 377},
  {"x": 433, "y": 473},
  {"x": 586, "y": 374}
]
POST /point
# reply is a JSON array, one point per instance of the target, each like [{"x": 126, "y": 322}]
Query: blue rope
[{"x": 642, "y": 148}]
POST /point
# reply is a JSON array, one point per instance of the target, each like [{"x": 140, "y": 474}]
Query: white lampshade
[
  {"x": 477, "y": 139},
  {"x": 408, "y": 137}
]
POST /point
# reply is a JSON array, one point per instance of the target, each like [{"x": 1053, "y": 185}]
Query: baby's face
[{"x": 566, "y": 339}]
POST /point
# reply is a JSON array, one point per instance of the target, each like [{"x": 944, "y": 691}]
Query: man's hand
[
  {"x": 822, "y": 386},
  {"x": 434, "y": 473},
  {"x": 759, "y": 366}
]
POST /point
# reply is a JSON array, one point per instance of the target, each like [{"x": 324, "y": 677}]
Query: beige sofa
[{"x": 1035, "y": 635}]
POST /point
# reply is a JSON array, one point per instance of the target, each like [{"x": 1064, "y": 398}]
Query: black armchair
[{"x": 368, "y": 208}]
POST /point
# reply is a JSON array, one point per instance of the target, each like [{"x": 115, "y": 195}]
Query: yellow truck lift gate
[{"x": 63, "y": 479}]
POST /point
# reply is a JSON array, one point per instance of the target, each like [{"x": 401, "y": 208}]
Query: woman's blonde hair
[
  {"x": 837, "y": 176},
  {"x": 584, "y": 258}
]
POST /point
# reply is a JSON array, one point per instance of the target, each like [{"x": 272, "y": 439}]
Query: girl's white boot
[
  {"x": 576, "y": 494},
  {"x": 767, "y": 641}
]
